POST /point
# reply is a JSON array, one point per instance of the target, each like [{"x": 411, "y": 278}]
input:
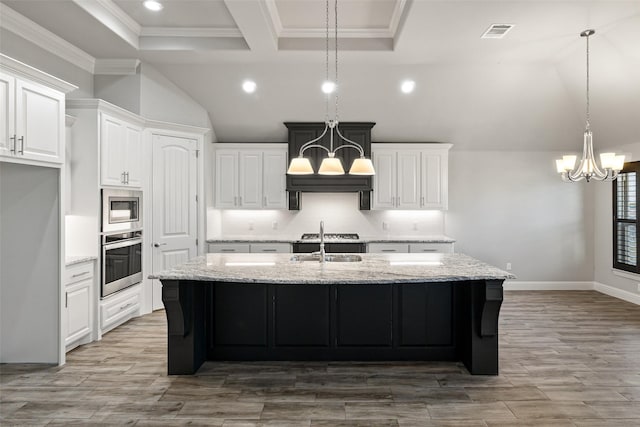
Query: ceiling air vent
[{"x": 497, "y": 31}]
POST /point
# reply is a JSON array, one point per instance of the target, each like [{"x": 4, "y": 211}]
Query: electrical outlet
[
  {"x": 385, "y": 225},
  {"x": 250, "y": 225},
  {"x": 508, "y": 266},
  {"x": 274, "y": 225}
]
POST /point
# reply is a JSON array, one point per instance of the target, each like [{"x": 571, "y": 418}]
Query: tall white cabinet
[
  {"x": 32, "y": 131},
  {"x": 251, "y": 176},
  {"x": 120, "y": 151},
  {"x": 410, "y": 176}
]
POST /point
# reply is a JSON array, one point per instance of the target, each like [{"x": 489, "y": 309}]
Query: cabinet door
[
  {"x": 112, "y": 151},
  {"x": 39, "y": 122},
  {"x": 250, "y": 179},
  {"x": 240, "y": 315},
  {"x": 426, "y": 312},
  {"x": 274, "y": 181},
  {"x": 7, "y": 114},
  {"x": 226, "y": 177},
  {"x": 408, "y": 184},
  {"x": 78, "y": 313},
  {"x": 434, "y": 180},
  {"x": 364, "y": 315},
  {"x": 301, "y": 315},
  {"x": 384, "y": 181},
  {"x": 133, "y": 156}
]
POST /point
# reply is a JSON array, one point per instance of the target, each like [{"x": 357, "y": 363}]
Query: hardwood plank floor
[{"x": 566, "y": 359}]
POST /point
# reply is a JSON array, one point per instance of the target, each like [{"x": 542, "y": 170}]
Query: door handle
[
  {"x": 422, "y": 201},
  {"x": 13, "y": 138},
  {"x": 240, "y": 200},
  {"x": 21, "y": 139},
  {"x": 126, "y": 177},
  {"x": 157, "y": 245},
  {"x": 122, "y": 178},
  {"x": 264, "y": 201}
]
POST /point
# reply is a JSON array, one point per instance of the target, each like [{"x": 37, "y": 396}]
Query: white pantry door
[{"x": 175, "y": 207}]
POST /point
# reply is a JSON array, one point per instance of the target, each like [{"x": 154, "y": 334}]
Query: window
[{"x": 626, "y": 219}]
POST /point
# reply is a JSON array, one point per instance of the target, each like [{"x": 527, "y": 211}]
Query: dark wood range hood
[{"x": 302, "y": 132}]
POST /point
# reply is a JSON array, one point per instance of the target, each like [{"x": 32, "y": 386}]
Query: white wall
[
  {"x": 339, "y": 211},
  {"x": 123, "y": 91},
  {"x": 513, "y": 207},
  {"x": 24, "y": 51},
  {"x": 603, "y": 238},
  {"x": 29, "y": 264}
]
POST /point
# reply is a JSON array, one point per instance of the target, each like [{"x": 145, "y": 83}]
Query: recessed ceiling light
[
  {"x": 407, "y": 86},
  {"x": 328, "y": 87},
  {"x": 154, "y": 5},
  {"x": 249, "y": 86}
]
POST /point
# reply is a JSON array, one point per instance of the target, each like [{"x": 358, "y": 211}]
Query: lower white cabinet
[
  {"x": 119, "y": 307},
  {"x": 406, "y": 247},
  {"x": 79, "y": 286},
  {"x": 250, "y": 247}
]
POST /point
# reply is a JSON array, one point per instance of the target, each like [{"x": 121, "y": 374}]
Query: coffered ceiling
[{"x": 525, "y": 91}]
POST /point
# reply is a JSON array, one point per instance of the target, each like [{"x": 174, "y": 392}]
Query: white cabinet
[
  {"x": 251, "y": 176},
  {"x": 31, "y": 120},
  {"x": 79, "y": 286},
  {"x": 120, "y": 152},
  {"x": 410, "y": 176},
  {"x": 119, "y": 307},
  {"x": 407, "y": 247},
  {"x": 250, "y": 247}
]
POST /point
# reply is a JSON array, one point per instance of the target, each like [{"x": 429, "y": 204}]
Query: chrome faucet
[{"x": 322, "y": 253}]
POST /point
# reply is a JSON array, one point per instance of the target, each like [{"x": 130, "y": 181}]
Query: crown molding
[
  {"x": 27, "y": 29},
  {"x": 347, "y": 33},
  {"x": 104, "y": 106},
  {"x": 157, "y": 125},
  {"x": 69, "y": 120},
  {"x": 118, "y": 67},
  {"x": 190, "y": 32},
  {"x": 272, "y": 12},
  {"x": 115, "y": 19},
  {"x": 34, "y": 74},
  {"x": 396, "y": 16}
]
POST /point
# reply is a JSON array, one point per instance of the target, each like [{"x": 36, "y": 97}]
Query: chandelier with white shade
[
  {"x": 331, "y": 165},
  {"x": 587, "y": 169}
]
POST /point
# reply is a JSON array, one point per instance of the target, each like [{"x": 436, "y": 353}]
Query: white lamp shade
[
  {"x": 618, "y": 163},
  {"x": 300, "y": 166},
  {"x": 569, "y": 162},
  {"x": 607, "y": 159},
  {"x": 362, "y": 166},
  {"x": 331, "y": 166}
]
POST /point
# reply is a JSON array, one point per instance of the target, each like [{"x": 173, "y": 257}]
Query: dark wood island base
[{"x": 445, "y": 321}]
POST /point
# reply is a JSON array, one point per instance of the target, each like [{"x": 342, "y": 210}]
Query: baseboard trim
[
  {"x": 617, "y": 293},
  {"x": 513, "y": 285}
]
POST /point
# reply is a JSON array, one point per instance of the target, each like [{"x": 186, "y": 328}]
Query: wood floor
[{"x": 567, "y": 359}]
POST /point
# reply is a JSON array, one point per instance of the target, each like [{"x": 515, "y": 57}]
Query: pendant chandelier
[
  {"x": 331, "y": 165},
  {"x": 588, "y": 169}
]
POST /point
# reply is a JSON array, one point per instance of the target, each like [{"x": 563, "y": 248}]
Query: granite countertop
[
  {"x": 397, "y": 239},
  {"x": 373, "y": 269},
  {"x": 77, "y": 259}
]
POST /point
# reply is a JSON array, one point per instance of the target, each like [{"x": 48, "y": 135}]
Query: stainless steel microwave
[{"x": 121, "y": 210}]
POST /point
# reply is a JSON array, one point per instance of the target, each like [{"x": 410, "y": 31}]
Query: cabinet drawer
[
  {"x": 270, "y": 248},
  {"x": 431, "y": 247},
  {"x": 118, "y": 308},
  {"x": 389, "y": 247},
  {"x": 220, "y": 248},
  {"x": 76, "y": 272}
]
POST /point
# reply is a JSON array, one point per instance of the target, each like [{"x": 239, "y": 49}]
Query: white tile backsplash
[{"x": 339, "y": 211}]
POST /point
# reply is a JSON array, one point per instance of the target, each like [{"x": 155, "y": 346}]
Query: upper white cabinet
[
  {"x": 31, "y": 114},
  {"x": 251, "y": 176},
  {"x": 410, "y": 176},
  {"x": 120, "y": 152}
]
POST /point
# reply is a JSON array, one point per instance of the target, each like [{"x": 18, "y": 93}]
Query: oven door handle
[{"x": 122, "y": 244}]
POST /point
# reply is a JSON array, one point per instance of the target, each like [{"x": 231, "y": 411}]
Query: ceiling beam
[
  {"x": 114, "y": 18},
  {"x": 254, "y": 21}
]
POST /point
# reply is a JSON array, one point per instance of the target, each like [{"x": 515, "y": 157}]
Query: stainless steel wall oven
[{"x": 121, "y": 261}]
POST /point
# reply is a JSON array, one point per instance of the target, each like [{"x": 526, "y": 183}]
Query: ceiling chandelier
[
  {"x": 587, "y": 169},
  {"x": 331, "y": 165}
]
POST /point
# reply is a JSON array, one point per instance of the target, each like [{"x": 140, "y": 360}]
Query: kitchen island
[{"x": 384, "y": 307}]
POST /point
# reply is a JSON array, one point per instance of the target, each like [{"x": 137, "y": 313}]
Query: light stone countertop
[
  {"x": 397, "y": 239},
  {"x": 373, "y": 269},
  {"x": 77, "y": 259}
]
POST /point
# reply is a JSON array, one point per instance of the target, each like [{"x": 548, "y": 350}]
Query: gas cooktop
[{"x": 331, "y": 236}]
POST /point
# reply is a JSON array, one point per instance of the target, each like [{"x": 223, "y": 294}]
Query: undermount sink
[{"x": 327, "y": 258}]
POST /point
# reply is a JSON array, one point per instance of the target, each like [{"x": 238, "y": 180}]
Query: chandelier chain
[
  {"x": 336, "y": 46},
  {"x": 326, "y": 60},
  {"x": 588, "y": 103}
]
